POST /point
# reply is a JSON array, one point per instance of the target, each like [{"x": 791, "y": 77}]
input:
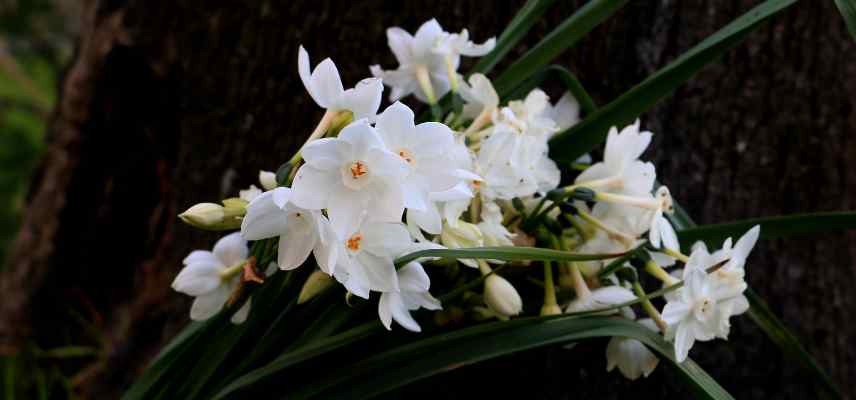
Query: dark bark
[{"x": 172, "y": 103}]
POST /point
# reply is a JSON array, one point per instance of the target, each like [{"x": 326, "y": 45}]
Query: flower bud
[
  {"x": 268, "y": 180},
  {"x": 214, "y": 217},
  {"x": 462, "y": 235},
  {"x": 314, "y": 285},
  {"x": 501, "y": 296}
]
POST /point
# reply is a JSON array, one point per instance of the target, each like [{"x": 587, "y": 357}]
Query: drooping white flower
[
  {"x": 205, "y": 275},
  {"x": 566, "y": 113},
  {"x": 352, "y": 176},
  {"x": 513, "y": 159},
  {"x": 480, "y": 101},
  {"x": 425, "y": 150},
  {"x": 631, "y": 357},
  {"x": 459, "y": 44},
  {"x": 427, "y": 61},
  {"x": 621, "y": 171},
  {"x": 413, "y": 294},
  {"x": 300, "y": 231},
  {"x": 701, "y": 309},
  {"x": 367, "y": 260},
  {"x": 600, "y": 298},
  {"x": 325, "y": 87}
]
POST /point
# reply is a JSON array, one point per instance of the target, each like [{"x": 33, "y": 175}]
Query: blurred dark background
[{"x": 117, "y": 115}]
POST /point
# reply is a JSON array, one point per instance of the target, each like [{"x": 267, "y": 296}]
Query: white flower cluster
[{"x": 370, "y": 186}]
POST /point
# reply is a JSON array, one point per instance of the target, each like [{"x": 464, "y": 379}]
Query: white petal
[
  {"x": 327, "y": 153},
  {"x": 326, "y": 83},
  {"x": 379, "y": 272},
  {"x": 198, "y": 278},
  {"x": 231, "y": 249},
  {"x": 399, "y": 42},
  {"x": 362, "y": 138},
  {"x": 297, "y": 242},
  {"x": 384, "y": 308},
  {"x": 684, "y": 340},
  {"x": 412, "y": 278},
  {"x": 428, "y": 220},
  {"x": 200, "y": 256},
  {"x": 207, "y": 306},
  {"x": 311, "y": 187},
  {"x": 395, "y": 124},
  {"x": 364, "y": 99},
  {"x": 347, "y": 208},
  {"x": 306, "y": 75},
  {"x": 264, "y": 219},
  {"x": 387, "y": 205}
]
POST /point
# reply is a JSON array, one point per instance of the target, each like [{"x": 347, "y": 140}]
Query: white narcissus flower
[
  {"x": 621, "y": 171},
  {"x": 300, "y": 231},
  {"x": 566, "y": 113},
  {"x": 425, "y": 150},
  {"x": 491, "y": 227},
  {"x": 413, "y": 294},
  {"x": 204, "y": 275},
  {"x": 480, "y": 100},
  {"x": 367, "y": 260},
  {"x": 352, "y": 176},
  {"x": 325, "y": 87},
  {"x": 631, "y": 357},
  {"x": 427, "y": 61},
  {"x": 701, "y": 309}
]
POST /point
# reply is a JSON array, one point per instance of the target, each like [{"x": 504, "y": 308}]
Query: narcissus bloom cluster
[{"x": 374, "y": 184}]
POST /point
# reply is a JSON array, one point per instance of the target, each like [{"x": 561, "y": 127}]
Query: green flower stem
[{"x": 649, "y": 307}]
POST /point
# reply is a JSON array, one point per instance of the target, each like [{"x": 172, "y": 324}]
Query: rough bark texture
[{"x": 172, "y": 103}]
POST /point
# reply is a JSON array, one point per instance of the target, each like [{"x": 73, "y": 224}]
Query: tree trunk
[{"x": 169, "y": 103}]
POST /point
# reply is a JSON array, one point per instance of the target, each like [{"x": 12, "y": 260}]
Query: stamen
[
  {"x": 358, "y": 169},
  {"x": 353, "y": 243}
]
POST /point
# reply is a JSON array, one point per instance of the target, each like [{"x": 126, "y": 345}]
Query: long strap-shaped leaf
[
  {"x": 583, "y": 137},
  {"x": 560, "y": 39},
  {"x": 516, "y": 30},
  {"x": 771, "y": 227},
  {"x": 848, "y": 12},
  {"x": 504, "y": 253},
  {"x": 431, "y": 356},
  {"x": 758, "y": 310}
]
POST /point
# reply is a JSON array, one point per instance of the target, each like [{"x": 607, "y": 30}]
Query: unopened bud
[
  {"x": 314, "y": 285},
  {"x": 501, "y": 296},
  {"x": 268, "y": 180},
  {"x": 214, "y": 217},
  {"x": 462, "y": 235}
]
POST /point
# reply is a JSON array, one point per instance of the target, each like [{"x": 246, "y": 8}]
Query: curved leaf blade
[
  {"x": 771, "y": 227},
  {"x": 513, "y": 33},
  {"x": 504, "y": 253},
  {"x": 848, "y": 12},
  {"x": 580, "y": 139},
  {"x": 439, "y": 354},
  {"x": 564, "y": 36}
]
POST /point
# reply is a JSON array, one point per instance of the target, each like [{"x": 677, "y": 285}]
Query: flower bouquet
[{"x": 398, "y": 243}]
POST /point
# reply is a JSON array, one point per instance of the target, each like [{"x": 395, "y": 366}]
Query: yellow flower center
[
  {"x": 353, "y": 243},
  {"x": 358, "y": 169}
]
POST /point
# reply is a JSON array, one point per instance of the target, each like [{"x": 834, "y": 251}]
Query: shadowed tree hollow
[{"x": 167, "y": 104}]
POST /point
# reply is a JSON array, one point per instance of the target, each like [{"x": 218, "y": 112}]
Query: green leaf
[
  {"x": 430, "y": 356},
  {"x": 760, "y": 313},
  {"x": 790, "y": 344},
  {"x": 564, "y": 36},
  {"x": 513, "y": 33},
  {"x": 568, "y": 79},
  {"x": 504, "y": 253},
  {"x": 771, "y": 227},
  {"x": 567, "y": 146},
  {"x": 848, "y": 12},
  {"x": 309, "y": 351}
]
